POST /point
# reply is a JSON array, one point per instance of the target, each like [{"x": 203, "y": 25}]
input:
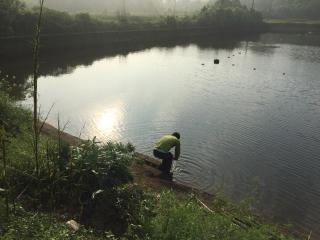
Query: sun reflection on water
[{"x": 108, "y": 121}]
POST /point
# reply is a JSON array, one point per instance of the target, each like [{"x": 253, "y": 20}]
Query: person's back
[
  {"x": 166, "y": 143},
  {"x": 162, "y": 151}
]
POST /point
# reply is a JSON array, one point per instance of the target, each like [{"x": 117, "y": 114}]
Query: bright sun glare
[{"x": 108, "y": 122}]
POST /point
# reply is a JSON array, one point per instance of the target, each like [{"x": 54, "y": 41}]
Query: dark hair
[{"x": 176, "y": 134}]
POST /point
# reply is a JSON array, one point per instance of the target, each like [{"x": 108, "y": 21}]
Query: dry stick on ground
[
  {"x": 36, "y": 48},
  {"x": 240, "y": 223},
  {"x": 205, "y": 206}
]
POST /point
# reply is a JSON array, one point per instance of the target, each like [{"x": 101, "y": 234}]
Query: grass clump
[{"x": 187, "y": 219}]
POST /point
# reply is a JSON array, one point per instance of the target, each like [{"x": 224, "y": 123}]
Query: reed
[{"x": 36, "y": 49}]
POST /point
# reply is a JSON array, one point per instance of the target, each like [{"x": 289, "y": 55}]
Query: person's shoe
[
  {"x": 160, "y": 167},
  {"x": 166, "y": 176}
]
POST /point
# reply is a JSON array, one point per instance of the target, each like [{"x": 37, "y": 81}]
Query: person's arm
[{"x": 177, "y": 150}]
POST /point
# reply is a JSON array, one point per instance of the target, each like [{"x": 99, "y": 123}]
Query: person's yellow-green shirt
[{"x": 166, "y": 143}]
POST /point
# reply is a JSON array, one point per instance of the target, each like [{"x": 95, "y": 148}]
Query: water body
[{"x": 249, "y": 125}]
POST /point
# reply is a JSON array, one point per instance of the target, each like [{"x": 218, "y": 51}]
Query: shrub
[
  {"x": 126, "y": 209},
  {"x": 73, "y": 179}
]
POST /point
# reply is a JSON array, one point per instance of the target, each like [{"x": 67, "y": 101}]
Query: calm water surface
[{"x": 251, "y": 122}]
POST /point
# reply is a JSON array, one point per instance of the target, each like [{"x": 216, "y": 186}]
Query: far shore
[{"x": 54, "y": 42}]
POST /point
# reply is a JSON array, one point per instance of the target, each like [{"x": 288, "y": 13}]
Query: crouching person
[{"x": 162, "y": 151}]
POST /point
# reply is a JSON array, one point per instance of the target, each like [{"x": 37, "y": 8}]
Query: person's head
[{"x": 176, "y": 134}]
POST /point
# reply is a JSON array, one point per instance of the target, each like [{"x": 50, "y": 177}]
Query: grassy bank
[{"x": 93, "y": 183}]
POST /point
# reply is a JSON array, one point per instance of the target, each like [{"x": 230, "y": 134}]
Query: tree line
[
  {"x": 306, "y": 9},
  {"x": 17, "y": 19}
]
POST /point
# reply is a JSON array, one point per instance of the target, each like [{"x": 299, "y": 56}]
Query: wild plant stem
[
  {"x": 4, "y": 157},
  {"x": 59, "y": 141},
  {"x": 35, "y": 86}
]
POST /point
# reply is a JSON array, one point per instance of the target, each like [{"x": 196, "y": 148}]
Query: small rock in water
[
  {"x": 233, "y": 65},
  {"x": 229, "y": 57},
  {"x": 254, "y": 69},
  {"x": 283, "y": 73},
  {"x": 73, "y": 225},
  {"x": 216, "y": 61},
  {"x": 202, "y": 64}
]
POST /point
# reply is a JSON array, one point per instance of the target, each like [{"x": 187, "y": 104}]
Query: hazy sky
[{"x": 131, "y": 6}]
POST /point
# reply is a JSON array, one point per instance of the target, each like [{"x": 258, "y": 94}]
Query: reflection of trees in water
[
  {"x": 309, "y": 55},
  {"x": 294, "y": 204},
  {"x": 62, "y": 58},
  {"x": 62, "y": 70},
  {"x": 57, "y": 60},
  {"x": 263, "y": 48}
]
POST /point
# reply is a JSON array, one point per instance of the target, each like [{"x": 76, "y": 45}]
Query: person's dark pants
[{"x": 166, "y": 158}]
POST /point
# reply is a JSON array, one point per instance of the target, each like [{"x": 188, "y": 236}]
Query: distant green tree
[
  {"x": 9, "y": 9},
  {"x": 230, "y": 15}
]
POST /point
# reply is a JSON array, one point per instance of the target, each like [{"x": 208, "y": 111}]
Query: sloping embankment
[{"x": 145, "y": 171}]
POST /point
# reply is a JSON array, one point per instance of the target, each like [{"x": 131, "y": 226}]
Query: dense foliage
[{"x": 9, "y": 10}]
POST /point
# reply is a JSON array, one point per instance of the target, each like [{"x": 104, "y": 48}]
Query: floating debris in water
[
  {"x": 229, "y": 57},
  {"x": 216, "y": 61},
  {"x": 233, "y": 64},
  {"x": 283, "y": 73},
  {"x": 202, "y": 64}
]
